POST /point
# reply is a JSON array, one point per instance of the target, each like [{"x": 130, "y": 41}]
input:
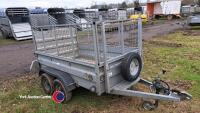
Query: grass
[
  {"x": 180, "y": 56},
  {"x": 7, "y": 41},
  {"x": 178, "y": 53},
  {"x": 4, "y": 42}
]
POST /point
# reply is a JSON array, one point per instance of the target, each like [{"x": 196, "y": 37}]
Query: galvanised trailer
[
  {"x": 14, "y": 22},
  {"x": 104, "y": 58},
  {"x": 194, "y": 19},
  {"x": 49, "y": 16},
  {"x": 53, "y": 16}
]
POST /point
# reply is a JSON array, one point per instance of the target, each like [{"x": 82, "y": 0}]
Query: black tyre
[
  {"x": 59, "y": 86},
  {"x": 157, "y": 17},
  {"x": 47, "y": 84},
  {"x": 131, "y": 66},
  {"x": 170, "y": 17},
  {"x": 2, "y": 34}
]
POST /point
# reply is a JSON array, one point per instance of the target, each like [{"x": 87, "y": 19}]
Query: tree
[
  {"x": 104, "y": 6},
  {"x": 136, "y": 4},
  {"x": 198, "y": 2},
  {"x": 123, "y": 5}
]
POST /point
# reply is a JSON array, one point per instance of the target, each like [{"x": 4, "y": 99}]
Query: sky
[{"x": 55, "y": 3}]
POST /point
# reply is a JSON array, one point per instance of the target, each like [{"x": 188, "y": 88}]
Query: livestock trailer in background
[
  {"x": 14, "y": 22},
  {"x": 120, "y": 14},
  {"x": 167, "y": 8},
  {"x": 40, "y": 17},
  {"x": 91, "y": 14},
  {"x": 53, "y": 16},
  {"x": 194, "y": 20},
  {"x": 189, "y": 10},
  {"x": 114, "y": 14},
  {"x": 50, "y": 16}
]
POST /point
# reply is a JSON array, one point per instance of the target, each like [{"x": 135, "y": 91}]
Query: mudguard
[{"x": 65, "y": 78}]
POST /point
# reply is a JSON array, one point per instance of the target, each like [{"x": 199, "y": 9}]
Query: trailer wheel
[
  {"x": 47, "y": 83},
  {"x": 3, "y": 34},
  {"x": 59, "y": 86},
  {"x": 170, "y": 17},
  {"x": 131, "y": 66}
]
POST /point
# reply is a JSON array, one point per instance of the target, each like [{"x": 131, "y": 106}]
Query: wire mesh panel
[
  {"x": 66, "y": 41},
  {"x": 117, "y": 38},
  {"x": 56, "y": 40},
  {"x": 94, "y": 43},
  {"x": 85, "y": 39},
  {"x": 130, "y": 34},
  {"x": 40, "y": 19}
]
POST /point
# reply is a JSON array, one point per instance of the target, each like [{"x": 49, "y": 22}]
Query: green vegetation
[
  {"x": 12, "y": 41},
  {"x": 7, "y": 41},
  {"x": 178, "y": 53}
]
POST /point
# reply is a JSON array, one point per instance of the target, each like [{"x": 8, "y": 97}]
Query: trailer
[
  {"x": 113, "y": 14},
  {"x": 40, "y": 17},
  {"x": 50, "y": 16},
  {"x": 188, "y": 10},
  {"x": 14, "y": 22},
  {"x": 54, "y": 16},
  {"x": 97, "y": 59},
  {"x": 192, "y": 13},
  {"x": 194, "y": 20},
  {"x": 167, "y": 8}
]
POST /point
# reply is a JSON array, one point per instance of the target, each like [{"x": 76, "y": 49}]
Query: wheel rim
[{"x": 134, "y": 67}]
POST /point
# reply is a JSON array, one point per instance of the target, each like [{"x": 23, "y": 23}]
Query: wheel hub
[{"x": 134, "y": 67}]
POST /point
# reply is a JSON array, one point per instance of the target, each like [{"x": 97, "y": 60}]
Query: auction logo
[{"x": 58, "y": 96}]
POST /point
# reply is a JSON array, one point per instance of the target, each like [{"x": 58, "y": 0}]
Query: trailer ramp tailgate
[{"x": 22, "y": 31}]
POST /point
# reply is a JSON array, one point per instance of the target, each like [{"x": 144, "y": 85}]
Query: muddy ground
[
  {"x": 15, "y": 59},
  {"x": 161, "y": 29}
]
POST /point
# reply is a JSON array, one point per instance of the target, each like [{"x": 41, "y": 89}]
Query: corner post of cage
[
  {"x": 140, "y": 36},
  {"x": 119, "y": 34},
  {"x": 106, "y": 68},
  {"x": 33, "y": 35},
  {"x": 97, "y": 62},
  {"x": 122, "y": 36}
]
